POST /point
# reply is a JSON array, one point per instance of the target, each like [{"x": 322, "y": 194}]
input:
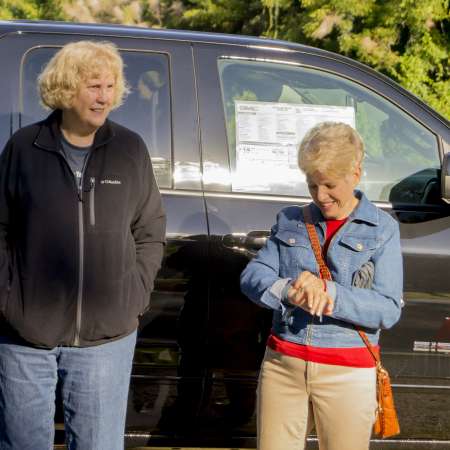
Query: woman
[
  {"x": 316, "y": 368},
  {"x": 81, "y": 240}
]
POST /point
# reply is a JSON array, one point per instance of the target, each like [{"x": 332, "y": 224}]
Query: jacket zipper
[
  {"x": 92, "y": 202},
  {"x": 76, "y": 339}
]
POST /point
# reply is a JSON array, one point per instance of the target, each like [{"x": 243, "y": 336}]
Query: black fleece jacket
[{"x": 77, "y": 266}]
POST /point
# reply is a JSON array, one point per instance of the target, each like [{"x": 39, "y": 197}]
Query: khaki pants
[{"x": 294, "y": 394}]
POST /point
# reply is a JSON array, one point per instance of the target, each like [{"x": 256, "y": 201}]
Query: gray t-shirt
[{"x": 75, "y": 156}]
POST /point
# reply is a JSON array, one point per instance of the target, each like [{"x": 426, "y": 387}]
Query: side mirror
[{"x": 445, "y": 178}]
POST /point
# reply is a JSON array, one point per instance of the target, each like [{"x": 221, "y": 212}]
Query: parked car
[{"x": 222, "y": 117}]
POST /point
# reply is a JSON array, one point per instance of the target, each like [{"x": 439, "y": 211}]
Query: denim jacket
[{"x": 369, "y": 235}]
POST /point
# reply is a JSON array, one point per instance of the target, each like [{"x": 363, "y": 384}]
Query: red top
[
  {"x": 350, "y": 357},
  {"x": 333, "y": 227}
]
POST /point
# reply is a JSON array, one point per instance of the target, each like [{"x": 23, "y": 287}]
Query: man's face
[{"x": 93, "y": 101}]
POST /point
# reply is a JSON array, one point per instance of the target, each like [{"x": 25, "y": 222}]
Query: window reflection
[
  {"x": 402, "y": 160},
  {"x": 146, "y": 110}
]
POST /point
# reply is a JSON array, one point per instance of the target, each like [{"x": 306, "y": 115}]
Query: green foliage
[
  {"x": 226, "y": 16},
  {"x": 22, "y": 9},
  {"x": 31, "y": 9},
  {"x": 408, "y": 40}
]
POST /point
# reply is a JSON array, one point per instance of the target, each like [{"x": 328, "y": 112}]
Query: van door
[
  {"x": 255, "y": 104},
  {"x": 161, "y": 107}
]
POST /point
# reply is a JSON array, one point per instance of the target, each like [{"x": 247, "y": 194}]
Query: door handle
[{"x": 254, "y": 240}]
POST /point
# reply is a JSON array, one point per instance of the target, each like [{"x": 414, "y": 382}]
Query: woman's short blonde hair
[
  {"x": 331, "y": 148},
  {"x": 74, "y": 63}
]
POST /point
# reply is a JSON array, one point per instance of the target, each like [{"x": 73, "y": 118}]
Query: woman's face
[
  {"x": 334, "y": 196},
  {"x": 93, "y": 101}
]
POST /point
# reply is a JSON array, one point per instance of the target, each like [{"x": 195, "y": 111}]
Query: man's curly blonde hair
[{"x": 75, "y": 63}]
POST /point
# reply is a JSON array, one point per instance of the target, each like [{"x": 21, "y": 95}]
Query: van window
[
  {"x": 146, "y": 110},
  {"x": 270, "y": 106}
]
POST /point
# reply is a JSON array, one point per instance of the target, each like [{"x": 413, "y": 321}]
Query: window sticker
[{"x": 267, "y": 139}]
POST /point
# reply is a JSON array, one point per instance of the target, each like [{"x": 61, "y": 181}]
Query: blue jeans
[{"x": 94, "y": 383}]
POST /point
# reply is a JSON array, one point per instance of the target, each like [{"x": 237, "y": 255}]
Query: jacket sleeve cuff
[
  {"x": 276, "y": 294},
  {"x": 285, "y": 290},
  {"x": 331, "y": 290}
]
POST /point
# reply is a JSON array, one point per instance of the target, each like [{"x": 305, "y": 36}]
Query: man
[{"x": 81, "y": 240}]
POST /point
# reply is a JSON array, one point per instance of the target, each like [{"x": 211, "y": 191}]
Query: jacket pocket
[
  {"x": 109, "y": 203},
  {"x": 5, "y": 295},
  {"x": 360, "y": 244},
  {"x": 140, "y": 293},
  {"x": 358, "y": 250},
  {"x": 292, "y": 239},
  {"x": 296, "y": 254},
  {"x": 4, "y": 300}
]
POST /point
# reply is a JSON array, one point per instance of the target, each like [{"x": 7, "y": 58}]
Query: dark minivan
[{"x": 222, "y": 117}]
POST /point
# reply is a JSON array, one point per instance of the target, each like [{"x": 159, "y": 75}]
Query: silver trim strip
[
  {"x": 261, "y": 197},
  {"x": 143, "y": 434},
  {"x": 269, "y": 60},
  {"x": 272, "y": 49},
  {"x": 267, "y": 198},
  {"x": 420, "y": 386},
  {"x": 181, "y": 193},
  {"x": 275, "y": 198}
]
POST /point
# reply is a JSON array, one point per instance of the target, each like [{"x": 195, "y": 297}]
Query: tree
[
  {"x": 31, "y": 9},
  {"x": 407, "y": 40},
  {"x": 144, "y": 13},
  {"x": 225, "y": 16}
]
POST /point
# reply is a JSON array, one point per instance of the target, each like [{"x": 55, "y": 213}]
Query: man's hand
[{"x": 308, "y": 292}]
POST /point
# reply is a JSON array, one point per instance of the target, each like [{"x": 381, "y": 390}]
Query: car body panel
[{"x": 201, "y": 343}]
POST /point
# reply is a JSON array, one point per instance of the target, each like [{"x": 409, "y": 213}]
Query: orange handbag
[{"x": 386, "y": 422}]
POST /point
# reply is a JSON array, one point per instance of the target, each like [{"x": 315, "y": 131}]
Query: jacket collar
[
  {"x": 365, "y": 211},
  {"x": 49, "y": 134}
]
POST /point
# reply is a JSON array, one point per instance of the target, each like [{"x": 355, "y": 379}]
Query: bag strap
[
  {"x": 315, "y": 244},
  {"x": 325, "y": 272}
]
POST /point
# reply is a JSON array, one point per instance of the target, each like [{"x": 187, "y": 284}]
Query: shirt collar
[
  {"x": 365, "y": 211},
  {"x": 49, "y": 134}
]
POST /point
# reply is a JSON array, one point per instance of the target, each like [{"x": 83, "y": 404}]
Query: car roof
[
  {"x": 48, "y": 26},
  {"x": 117, "y": 30}
]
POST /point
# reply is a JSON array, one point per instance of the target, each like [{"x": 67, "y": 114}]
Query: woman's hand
[{"x": 308, "y": 292}]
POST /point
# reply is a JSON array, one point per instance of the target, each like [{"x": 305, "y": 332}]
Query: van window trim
[
  {"x": 339, "y": 75},
  {"x": 440, "y": 143},
  {"x": 134, "y": 50}
]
